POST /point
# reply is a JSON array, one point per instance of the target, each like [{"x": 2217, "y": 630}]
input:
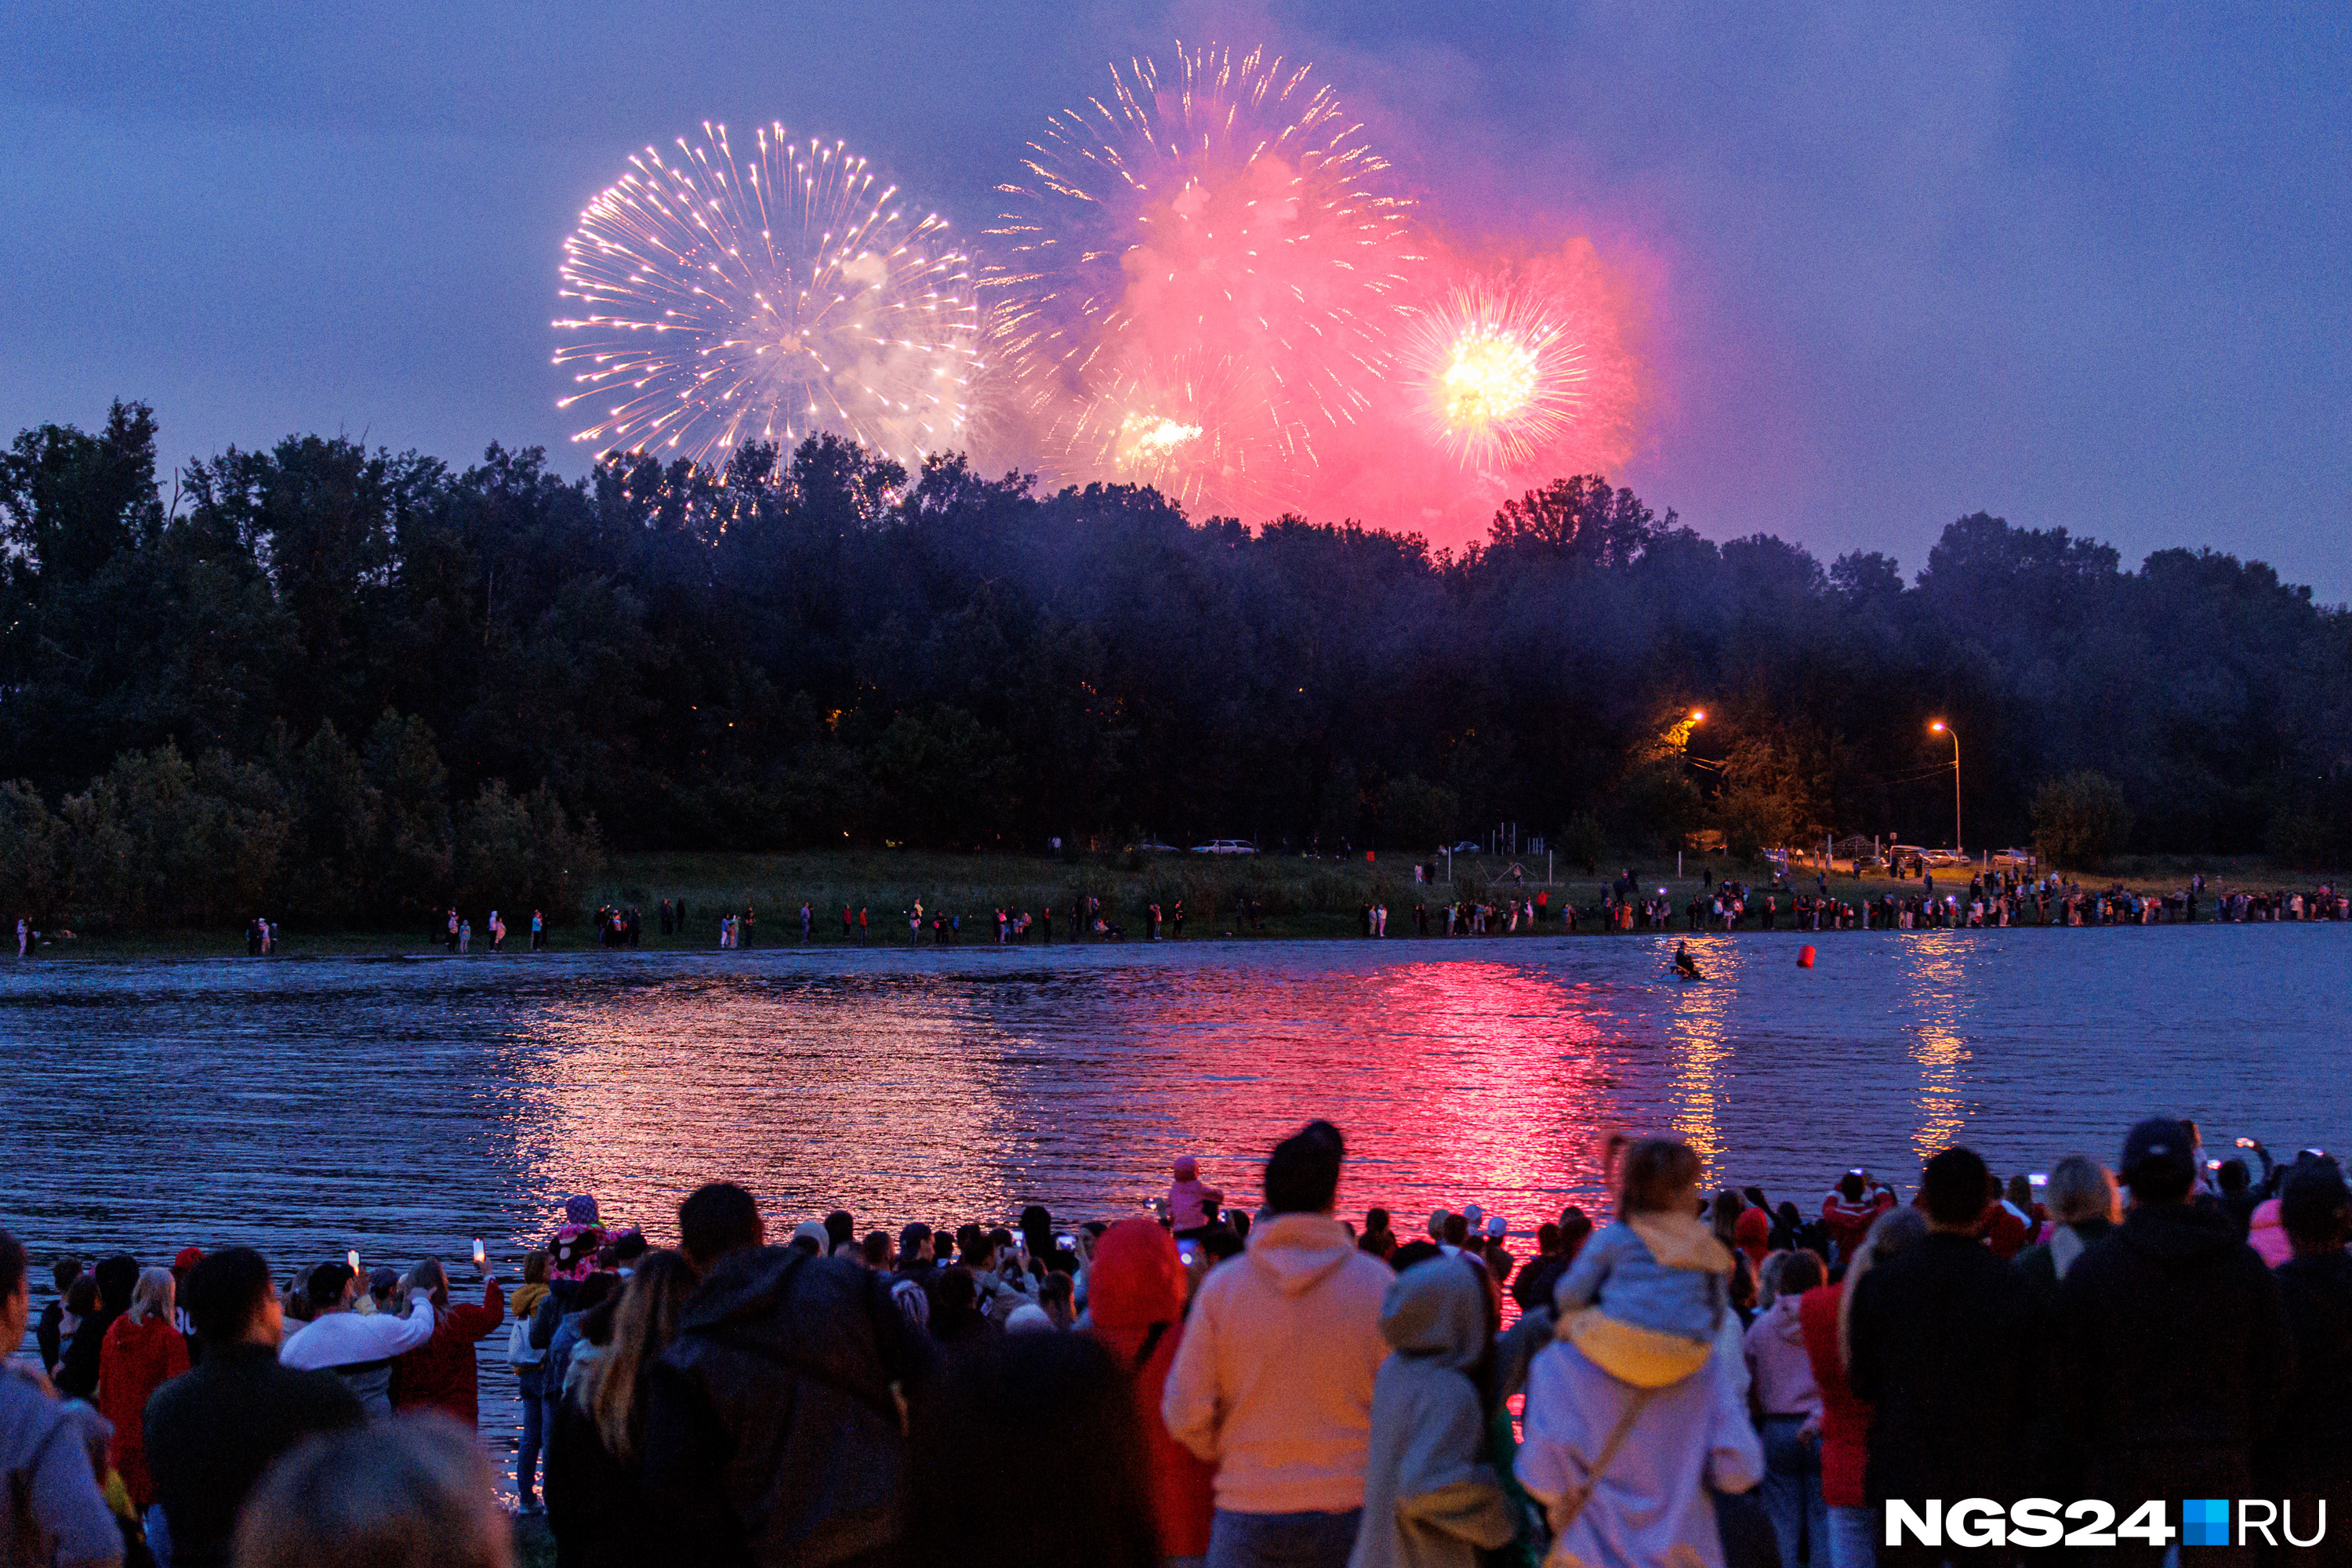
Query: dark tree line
[{"x": 820, "y": 648}]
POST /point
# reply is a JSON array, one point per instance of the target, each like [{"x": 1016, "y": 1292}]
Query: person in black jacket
[
  {"x": 1946, "y": 1346},
  {"x": 212, "y": 1432},
  {"x": 49, "y": 1333},
  {"x": 774, "y": 1426},
  {"x": 2307, "y": 1457},
  {"x": 2172, "y": 1349},
  {"x": 116, "y": 1279}
]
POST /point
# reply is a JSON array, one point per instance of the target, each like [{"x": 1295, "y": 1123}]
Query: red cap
[{"x": 188, "y": 1257}]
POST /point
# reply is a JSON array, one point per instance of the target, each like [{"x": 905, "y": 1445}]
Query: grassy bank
[{"x": 1293, "y": 897}]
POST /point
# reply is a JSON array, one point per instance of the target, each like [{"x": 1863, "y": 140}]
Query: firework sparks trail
[
  {"x": 724, "y": 301},
  {"x": 1196, "y": 278}
]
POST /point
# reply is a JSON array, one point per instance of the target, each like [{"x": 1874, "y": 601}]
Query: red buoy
[{"x": 1805, "y": 956}]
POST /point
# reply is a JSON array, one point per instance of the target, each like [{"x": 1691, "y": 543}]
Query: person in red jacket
[
  {"x": 142, "y": 1352},
  {"x": 1849, "y": 1209},
  {"x": 439, "y": 1375},
  {"x": 1135, "y": 1293}
]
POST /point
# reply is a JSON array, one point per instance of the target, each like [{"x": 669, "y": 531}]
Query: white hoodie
[
  {"x": 1273, "y": 1380},
  {"x": 358, "y": 1349}
]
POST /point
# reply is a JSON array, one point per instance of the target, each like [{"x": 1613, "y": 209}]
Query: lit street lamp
[{"x": 1943, "y": 729}]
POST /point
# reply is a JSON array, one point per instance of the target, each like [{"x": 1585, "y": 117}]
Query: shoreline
[
  {"x": 366, "y": 947},
  {"x": 1296, "y": 899}
]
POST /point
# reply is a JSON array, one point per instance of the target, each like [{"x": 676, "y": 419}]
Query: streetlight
[
  {"x": 1682, "y": 733},
  {"x": 1943, "y": 729}
]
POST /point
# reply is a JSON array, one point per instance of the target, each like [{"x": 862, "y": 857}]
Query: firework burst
[
  {"x": 1196, "y": 277},
  {"x": 1496, "y": 369},
  {"x": 764, "y": 299}
]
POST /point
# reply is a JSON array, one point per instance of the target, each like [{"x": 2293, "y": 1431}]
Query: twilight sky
[{"x": 2085, "y": 265}]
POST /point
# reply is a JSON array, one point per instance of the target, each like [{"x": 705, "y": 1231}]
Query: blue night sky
[{"x": 2080, "y": 265}]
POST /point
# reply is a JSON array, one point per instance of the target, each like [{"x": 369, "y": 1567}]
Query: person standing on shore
[
  {"x": 1273, "y": 1382},
  {"x": 1944, "y": 1343},
  {"x": 2139, "y": 1418},
  {"x": 441, "y": 1375},
  {"x": 212, "y": 1433},
  {"x": 357, "y": 1347},
  {"x": 772, "y": 1433},
  {"x": 143, "y": 1350}
]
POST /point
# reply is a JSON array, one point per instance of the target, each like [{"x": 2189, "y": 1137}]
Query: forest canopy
[{"x": 373, "y": 682}]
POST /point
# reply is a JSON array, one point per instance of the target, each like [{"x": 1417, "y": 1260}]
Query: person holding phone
[{"x": 440, "y": 1374}]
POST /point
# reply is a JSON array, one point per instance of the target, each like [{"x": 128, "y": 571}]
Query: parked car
[
  {"x": 1226, "y": 846},
  {"x": 1467, "y": 847},
  {"x": 1153, "y": 848}
]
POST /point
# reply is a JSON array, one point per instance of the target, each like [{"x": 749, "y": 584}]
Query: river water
[{"x": 403, "y": 1107}]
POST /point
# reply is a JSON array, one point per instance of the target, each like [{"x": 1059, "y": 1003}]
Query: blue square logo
[{"x": 2205, "y": 1521}]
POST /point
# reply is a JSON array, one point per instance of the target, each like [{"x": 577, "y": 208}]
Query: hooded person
[
  {"x": 572, "y": 1254},
  {"x": 1273, "y": 1381},
  {"x": 1193, "y": 1204},
  {"x": 1753, "y": 1232},
  {"x": 1137, "y": 1310},
  {"x": 774, "y": 1431},
  {"x": 1431, "y": 1499}
]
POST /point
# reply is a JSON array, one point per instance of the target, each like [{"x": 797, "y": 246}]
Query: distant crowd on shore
[
  {"x": 1993, "y": 896},
  {"x": 1716, "y": 1380}
]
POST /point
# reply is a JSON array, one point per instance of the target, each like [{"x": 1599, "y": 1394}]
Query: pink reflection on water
[{"x": 900, "y": 1097}]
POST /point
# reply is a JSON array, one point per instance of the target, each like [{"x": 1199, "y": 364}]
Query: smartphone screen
[
  {"x": 2040, "y": 1178},
  {"x": 479, "y": 1256},
  {"x": 353, "y": 1258}
]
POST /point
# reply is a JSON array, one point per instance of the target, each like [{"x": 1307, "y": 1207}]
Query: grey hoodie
[
  {"x": 44, "y": 1471},
  {"x": 1430, "y": 1498}
]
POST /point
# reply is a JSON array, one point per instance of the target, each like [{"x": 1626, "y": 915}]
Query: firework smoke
[
  {"x": 1196, "y": 280},
  {"x": 724, "y": 302}
]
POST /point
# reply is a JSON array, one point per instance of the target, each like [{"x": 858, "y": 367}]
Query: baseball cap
[{"x": 2157, "y": 1144}]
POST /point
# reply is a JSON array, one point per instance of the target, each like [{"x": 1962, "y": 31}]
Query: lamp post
[{"x": 1943, "y": 729}]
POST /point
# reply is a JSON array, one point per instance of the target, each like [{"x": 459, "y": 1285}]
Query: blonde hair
[
  {"x": 153, "y": 1296},
  {"x": 642, "y": 1328},
  {"x": 415, "y": 1491},
  {"x": 2081, "y": 1189}
]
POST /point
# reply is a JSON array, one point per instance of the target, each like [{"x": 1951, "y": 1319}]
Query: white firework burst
[{"x": 792, "y": 293}]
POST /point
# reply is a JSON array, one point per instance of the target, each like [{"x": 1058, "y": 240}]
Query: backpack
[{"x": 520, "y": 1351}]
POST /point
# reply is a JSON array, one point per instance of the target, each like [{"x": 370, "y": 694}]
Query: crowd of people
[
  {"x": 1991, "y": 897},
  {"x": 1693, "y": 1378}
]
